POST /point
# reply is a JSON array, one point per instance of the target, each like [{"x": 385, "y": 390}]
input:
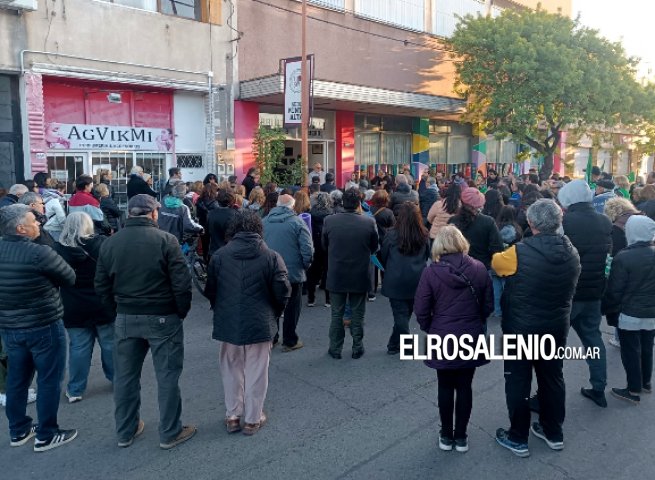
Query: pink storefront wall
[{"x": 246, "y": 121}]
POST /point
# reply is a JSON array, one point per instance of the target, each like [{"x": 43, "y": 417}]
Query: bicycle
[{"x": 195, "y": 263}]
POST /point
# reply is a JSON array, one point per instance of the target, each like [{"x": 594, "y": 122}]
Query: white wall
[{"x": 190, "y": 122}]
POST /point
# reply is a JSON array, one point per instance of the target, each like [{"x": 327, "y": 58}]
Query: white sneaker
[
  {"x": 3, "y": 400},
  {"x": 31, "y": 396},
  {"x": 614, "y": 342},
  {"x": 72, "y": 398}
]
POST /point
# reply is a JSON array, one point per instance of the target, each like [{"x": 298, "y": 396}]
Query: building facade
[
  {"x": 383, "y": 82},
  {"x": 95, "y": 84}
]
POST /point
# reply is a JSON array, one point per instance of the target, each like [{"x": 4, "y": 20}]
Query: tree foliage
[
  {"x": 530, "y": 74},
  {"x": 268, "y": 148}
]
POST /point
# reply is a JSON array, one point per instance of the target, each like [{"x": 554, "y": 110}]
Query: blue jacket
[{"x": 288, "y": 235}]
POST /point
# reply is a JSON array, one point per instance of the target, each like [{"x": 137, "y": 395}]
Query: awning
[{"x": 356, "y": 98}]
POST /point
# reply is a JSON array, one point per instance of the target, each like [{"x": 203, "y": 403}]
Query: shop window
[
  {"x": 189, "y": 160},
  {"x": 397, "y": 148},
  {"x": 438, "y": 149},
  {"x": 66, "y": 167},
  {"x": 367, "y": 148},
  {"x": 459, "y": 150}
]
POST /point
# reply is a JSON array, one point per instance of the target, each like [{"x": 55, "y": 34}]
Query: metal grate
[{"x": 188, "y": 160}]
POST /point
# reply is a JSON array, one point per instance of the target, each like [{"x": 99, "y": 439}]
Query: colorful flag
[
  {"x": 632, "y": 177},
  {"x": 590, "y": 166},
  {"x": 479, "y": 157}
]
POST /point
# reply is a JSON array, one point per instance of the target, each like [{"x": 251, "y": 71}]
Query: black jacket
[
  {"x": 350, "y": 239},
  {"x": 248, "y": 288},
  {"x": 403, "y": 193},
  {"x": 137, "y": 185},
  {"x": 203, "y": 207},
  {"x": 483, "y": 236},
  {"x": 111, "y": 211},
  {"x": 217, "y": 223},
  {"x": 141, "y": 271},
  {"x": 590, "y": 232},
  {"x": 631, "y": 283},
  {"x": 426, "y": 199},
  {"x": 384, "y": 219},
  {"x": 538, "y": 298},
  {"x": 402, "y": 272},
  {"x": 328, "y": 187},
  {"x": 82, "y": 307},
  {"x": 249, "y": 183},
  {"x": 29, "y": 283},
  {"x": 7, "y": 200}
]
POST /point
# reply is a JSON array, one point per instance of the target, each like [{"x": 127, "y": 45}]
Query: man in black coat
[
  {"x": 141, "y": 273},
  {"x": 31, "y": 327},
  {"x": 427, "y": 197},
  {"x": 350, "y": 239},
  {"x": 541, "y": 273},
  {"x": 250, "y": 180},
  {"x": 328, "y": 186},
  {"x": 136, "y": 185},
  {"x": 15, "y": 192},
  {"x": 591, "y": 234}
]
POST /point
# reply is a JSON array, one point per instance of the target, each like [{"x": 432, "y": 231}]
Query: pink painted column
[
  {"x": 36, "y": 122},
  {"x": 345, "y": 147},
  {"x": 246, "y": 121}
]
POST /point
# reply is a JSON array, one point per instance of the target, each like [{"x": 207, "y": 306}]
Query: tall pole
[{"x": 304, "y": 105}]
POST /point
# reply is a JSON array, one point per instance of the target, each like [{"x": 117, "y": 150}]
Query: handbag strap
[{"x": 469, "y": 284}]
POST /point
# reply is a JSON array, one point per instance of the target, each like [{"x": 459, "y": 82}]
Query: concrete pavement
[{"x": 372, "y": 418}]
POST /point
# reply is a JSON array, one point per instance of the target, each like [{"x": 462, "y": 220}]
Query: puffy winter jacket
[
  {"x": 29, "y": 283},
  {"x": 402, "y": 272},
  {"x": 82, "y": 306},
  {"x": 590, "y": 233},
  {"x": 248, "y": 288},
  {"x": 426, "y": 199},
  {"x": 288, "y": 235},
  {"x": 54, "y": 211},
  {"x": 141, "y": 271},
  {"x": 437, "y": 217},
  {"x": 175, "y": 218},
  {"x": 541, "y": 273},
  {"x": 403, "y": 193},
  {"x": 445, "y": 303}
]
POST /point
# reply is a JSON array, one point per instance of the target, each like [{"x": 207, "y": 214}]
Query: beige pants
[{"x": 244, "y": 369}]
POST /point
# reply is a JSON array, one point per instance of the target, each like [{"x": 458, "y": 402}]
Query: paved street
[{"x": 373, "y": 418}]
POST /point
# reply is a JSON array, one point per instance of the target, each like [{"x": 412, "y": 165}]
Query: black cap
[
  {"x": 316, "y": 179},
  {"x": 606, "y": 184},
  {"x": 143, "y": 202}
]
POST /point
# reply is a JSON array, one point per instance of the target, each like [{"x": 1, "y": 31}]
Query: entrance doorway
[{"x": 320, "y": 151}]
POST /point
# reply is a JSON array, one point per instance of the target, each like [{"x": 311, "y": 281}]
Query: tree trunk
[{"x": 547, "y": 167}]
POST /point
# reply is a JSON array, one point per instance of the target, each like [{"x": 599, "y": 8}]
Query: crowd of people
[{"x": 541, "y": 255}]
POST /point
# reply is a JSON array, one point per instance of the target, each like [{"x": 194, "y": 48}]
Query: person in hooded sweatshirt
[
  {"x": 403, "y": 193},
  {"x": 591, "y": 234},
  {"x": 288, "y": 235},
  {"x": 541, "y": 273},
  {"x": 247, "y": 288},
  {"x": 86, "y": 319},
  {"x": 454, "y": 297},
  {"x": 629, "y": 304},
  {"x": 175, "y": 216}
]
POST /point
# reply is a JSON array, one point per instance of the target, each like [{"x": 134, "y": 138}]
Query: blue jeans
[
  {"x": 585, "y": 320},
  {"x": 43, "y": 349},
  {"x": 80, "y": 350},
  {"x": 499, "y": 285}
]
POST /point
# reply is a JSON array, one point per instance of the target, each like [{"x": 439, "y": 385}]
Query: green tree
[
  {"x": 530, "y": 74},
  {"x": 268, "y": 148}
]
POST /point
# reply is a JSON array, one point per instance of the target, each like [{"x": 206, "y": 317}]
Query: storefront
[{"x": 91, "y": 126}]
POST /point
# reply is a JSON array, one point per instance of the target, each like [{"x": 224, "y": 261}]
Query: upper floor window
[
  {"x": 404, "y": 13},
  {"x": 446, "y": 14},
  {"x": 182, "y": 8},
  {"x": 334, "y": 4},
  {"x": 201, "y": 10}
]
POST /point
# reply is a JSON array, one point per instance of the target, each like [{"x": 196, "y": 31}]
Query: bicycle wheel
[{"x": 198, "y": 272}]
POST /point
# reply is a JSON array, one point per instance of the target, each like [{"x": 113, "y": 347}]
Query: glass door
[{"x": 66, "y": 167}]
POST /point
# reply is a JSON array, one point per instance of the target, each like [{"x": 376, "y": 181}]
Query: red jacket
[{"x": 80, "y": 199}]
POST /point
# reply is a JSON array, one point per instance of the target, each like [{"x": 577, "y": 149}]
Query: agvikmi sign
[
  {"x": 293, "y": 89},
  {"x": 84, "y": 137}
]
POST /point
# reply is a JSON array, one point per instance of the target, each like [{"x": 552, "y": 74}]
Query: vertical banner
[
  {"x": 479, "y": 156},
  {"x": 293, "y": 90}
]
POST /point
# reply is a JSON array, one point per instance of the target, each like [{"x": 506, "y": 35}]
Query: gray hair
[
  {"x": 323, "y": 201},
  {"x": 336, "y": 195},
  {"x": 11, "y": 216},
  {"x": 432, "y": 181},
  {"x": 178, "y": 188},
  {"x": 136, "y": 170},
  {"x": 545, "y": 216},
  {"x": 18, "y": 189},
  {"x": 30, "y": 198},
  {"x": 77, "y": 228},
  {"x": 401, "y": 178}
]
